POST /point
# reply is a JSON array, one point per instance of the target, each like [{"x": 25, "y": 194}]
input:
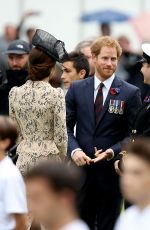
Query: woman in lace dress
[{"x": 38, "y": 108}]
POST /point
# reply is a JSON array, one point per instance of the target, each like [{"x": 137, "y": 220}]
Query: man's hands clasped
[{"x": 81, "y": 159}]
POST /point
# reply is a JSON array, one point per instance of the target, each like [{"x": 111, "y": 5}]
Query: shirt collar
[{"x": 107, "y": 83}]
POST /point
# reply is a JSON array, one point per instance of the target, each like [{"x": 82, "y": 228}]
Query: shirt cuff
[
  {"x": 72, "y": 153},
  {"x": 112, "y": 156}
]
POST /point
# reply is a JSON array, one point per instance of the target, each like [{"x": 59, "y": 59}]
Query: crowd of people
[{"x": 72, "y": 127}]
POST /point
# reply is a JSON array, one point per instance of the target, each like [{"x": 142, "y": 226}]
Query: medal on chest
[
  {"x": 116, "y": 106},
  {"x": 111, "y": 106},
  {"x": 121, "y": 110}
]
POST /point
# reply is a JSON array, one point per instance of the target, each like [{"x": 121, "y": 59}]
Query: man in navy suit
[{"x": 103, "y": 108}]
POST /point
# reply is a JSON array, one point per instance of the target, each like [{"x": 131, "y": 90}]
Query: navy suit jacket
[{"x": 112, "y": 129}]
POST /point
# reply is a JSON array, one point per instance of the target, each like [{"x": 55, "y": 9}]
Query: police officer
[{"x": 142, "y": 122}]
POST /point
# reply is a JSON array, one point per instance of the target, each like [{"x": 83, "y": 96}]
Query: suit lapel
[
  {"x": 116, "y": 83},
  {"x": 89, "y": 92}
]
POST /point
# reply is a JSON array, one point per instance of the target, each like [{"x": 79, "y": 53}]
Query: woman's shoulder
[
  {"x": 58, "y": 91},
  {"x": 16, "y": 90},
  {"x": 13, "y": 91}
]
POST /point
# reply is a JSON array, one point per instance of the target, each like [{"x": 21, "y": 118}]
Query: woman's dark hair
[
  {"x": 40, "y": 64},
  {"x": 8, "y": 130}
]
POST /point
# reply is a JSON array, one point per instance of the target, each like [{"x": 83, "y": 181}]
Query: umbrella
[{"x": 105, "y": 16}]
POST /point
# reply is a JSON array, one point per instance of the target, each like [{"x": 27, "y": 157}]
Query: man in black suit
[{"x": 103, "y": 109}]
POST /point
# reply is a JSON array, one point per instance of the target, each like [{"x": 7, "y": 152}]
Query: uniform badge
[{"x": 111, "y": 106}]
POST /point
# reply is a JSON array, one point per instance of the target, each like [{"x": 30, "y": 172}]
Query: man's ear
[
  {"x": 94, "y": 57},
  {"x": 82, "y": 73}
]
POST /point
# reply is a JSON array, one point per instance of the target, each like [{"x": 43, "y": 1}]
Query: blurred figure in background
[
  {"x": 18, "y": 53},
  {"x": 13, "y": 205},
  {"x": 10, "y": 34},
  {"x": 127, "y": 64},
  {"x": 135, "y": 184},
  {"x": 85, "y": 48},
  {"x": 129, "y": 68},
  {"x": 51, "y": 192},
  {"x": 75, "y": 67},
  {"x": 105, "y": 29},
  {"x": 30, "y": 33}
]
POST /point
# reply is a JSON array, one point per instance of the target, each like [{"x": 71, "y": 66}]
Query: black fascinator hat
[{"x": 49, "y": 44}]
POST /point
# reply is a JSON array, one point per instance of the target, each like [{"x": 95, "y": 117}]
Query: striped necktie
[{"x": 99, "y": 103}]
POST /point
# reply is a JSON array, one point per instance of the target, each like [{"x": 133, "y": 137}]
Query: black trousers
[{"x": 99, "y": 210}]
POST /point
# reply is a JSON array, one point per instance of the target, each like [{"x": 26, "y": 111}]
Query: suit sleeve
[
  {"x": 133, "y": 105},
  {"x": 71, "y": 119},
  {"x": 60, "y": 130},
  {"x": 12, "y": 99}
]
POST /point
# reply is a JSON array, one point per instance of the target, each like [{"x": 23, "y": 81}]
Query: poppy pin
[{"x": 114, "y": 91}]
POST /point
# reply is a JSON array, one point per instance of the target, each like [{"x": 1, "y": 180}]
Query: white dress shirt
[
  {"x": 107, "y": 84},
  {"x": 134, "y": 219}
]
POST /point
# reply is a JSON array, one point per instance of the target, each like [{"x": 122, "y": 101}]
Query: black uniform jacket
[{"x": 142, "y": 123}]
